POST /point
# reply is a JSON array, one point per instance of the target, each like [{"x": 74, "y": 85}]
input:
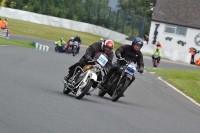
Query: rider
[
  {"x": 78, "y": 39},
  {"x": 101, "y": 39},
  {"x": 158, "y": 52},
  {"x": 60, "y": 43},
  {"x": 71, "y": 39},
  {"x": 130, "y": 53},
  {"x": 106, "y": 46}
]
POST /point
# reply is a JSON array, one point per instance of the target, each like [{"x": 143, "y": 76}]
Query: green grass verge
[
  {"x": 4, "y": 41},
  {"x": 49, "y": 32},
  {"x": 187, "y": 81}
]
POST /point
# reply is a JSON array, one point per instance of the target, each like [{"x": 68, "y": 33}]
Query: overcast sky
[{"x": 113, "y": 3}]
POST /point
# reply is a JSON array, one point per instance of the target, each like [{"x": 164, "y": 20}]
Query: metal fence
[{"x": 86, "y": 11}]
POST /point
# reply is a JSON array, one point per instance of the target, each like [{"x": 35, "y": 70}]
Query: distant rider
[
  {"x": 78, "y": 39},
  {"x": 70, "y": 40},
  {"x": 60, "y": 43},
  {"x": 158, "y": 52}
]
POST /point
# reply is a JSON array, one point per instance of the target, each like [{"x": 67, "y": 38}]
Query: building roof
[{"x": 179, "y": 12}]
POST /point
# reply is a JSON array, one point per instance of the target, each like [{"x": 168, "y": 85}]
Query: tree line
[{"x": 127, "y": 19}]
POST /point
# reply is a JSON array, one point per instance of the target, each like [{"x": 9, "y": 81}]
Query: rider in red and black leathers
[
  {"x": 105, "y": 46},
  {"x": 130, "y": 53}
]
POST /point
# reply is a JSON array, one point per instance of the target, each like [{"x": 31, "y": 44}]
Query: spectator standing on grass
[
  {"x": 0, "y": 23},
  {"x": 146, "y": 38}
]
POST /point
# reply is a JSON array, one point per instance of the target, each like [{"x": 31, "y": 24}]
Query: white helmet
[
  {"x": 72, "y": 38},
  {"x": 101, "y": 39}
]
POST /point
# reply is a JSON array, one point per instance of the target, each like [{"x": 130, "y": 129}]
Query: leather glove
[
  {"x": 118, "y": 55},
  {"x": 141, "y": 70},
  {"x": 107, "y": 69}
]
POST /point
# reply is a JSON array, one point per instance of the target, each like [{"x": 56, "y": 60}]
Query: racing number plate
[
  {"x": 130, "y": 69},
  {"x": 102, "y": 60}
]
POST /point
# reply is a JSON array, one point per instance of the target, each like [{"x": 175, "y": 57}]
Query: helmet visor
[
  {"x": 107, "y": 49},
  {"x": 137, "y": 47}
]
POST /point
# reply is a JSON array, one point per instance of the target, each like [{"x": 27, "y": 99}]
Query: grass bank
[
  {"x": 187, "y": 81},
  {"x": 49, "y": 32},
  {"x": 4, "y": 41}
]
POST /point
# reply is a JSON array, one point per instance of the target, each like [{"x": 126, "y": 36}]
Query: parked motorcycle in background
[
  {"x": 83, "y": 78},
  {"x": 119, "y": 80}
]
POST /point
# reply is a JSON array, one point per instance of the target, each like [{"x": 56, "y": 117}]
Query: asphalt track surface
[{"x": 31, "y": 99}]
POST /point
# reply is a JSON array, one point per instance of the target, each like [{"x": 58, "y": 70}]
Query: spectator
[
  {"x": 4, "y": 24},
  {"x": 193, "y": 52},
  {"x": 0, "y": 23},
  {"x": 146, "y": 38},
  {"x": 159, "y": 45}
]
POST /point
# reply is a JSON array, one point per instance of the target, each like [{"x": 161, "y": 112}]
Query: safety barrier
[
  {"x": 3, "y": 33},
  {"x": 40, "y": 46}
]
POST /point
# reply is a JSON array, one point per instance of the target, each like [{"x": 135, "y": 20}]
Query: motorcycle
[
  {"x": 119, "y": 80},
  {"x": 83, "y": 78},
  {"x": 60, "y": 49},
  {"x": 56, "y": 48},
  {"x": 69, "y": 47},
  {"x": 155, "y": 60},
  {"x": 75, "y": 48}
]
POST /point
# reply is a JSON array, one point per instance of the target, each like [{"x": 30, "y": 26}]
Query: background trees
[{"x": 131, "y": 18}]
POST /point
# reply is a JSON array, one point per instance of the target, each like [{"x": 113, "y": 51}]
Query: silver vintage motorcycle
[{"x": 83, "y": 78}]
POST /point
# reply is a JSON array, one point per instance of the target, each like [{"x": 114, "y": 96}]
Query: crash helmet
[
  {"x": 137, "y": 41},
  {"x": 107, "y": 46}
]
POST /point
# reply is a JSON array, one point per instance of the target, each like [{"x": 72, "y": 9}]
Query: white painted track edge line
[{"x": 192, "y": 100}]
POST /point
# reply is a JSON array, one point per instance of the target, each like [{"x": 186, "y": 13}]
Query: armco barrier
[
  {"x": 3, "y": 33},
  {"x": 40, "y": 46}
]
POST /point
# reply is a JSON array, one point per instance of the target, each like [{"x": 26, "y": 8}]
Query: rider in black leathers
[{"x": 130, "y": 53}]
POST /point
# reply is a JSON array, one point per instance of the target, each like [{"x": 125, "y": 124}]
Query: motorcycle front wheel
[
  {"x": 154, "y": 63},
  {"x": 81, "y": 92},
  {"x": 66, "y": 90},
  {"x": 74, "y": 51},
  {"x": 118, "y": 92}
]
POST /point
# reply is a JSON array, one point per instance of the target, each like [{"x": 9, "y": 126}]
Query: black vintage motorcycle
[{"x": 119, "y": 81}]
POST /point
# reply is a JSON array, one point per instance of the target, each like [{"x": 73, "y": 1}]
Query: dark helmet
[{"x": 137, "y": 41}]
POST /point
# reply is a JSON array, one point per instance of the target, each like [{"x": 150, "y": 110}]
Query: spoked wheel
[
  {"x": 118, "y": 92},
  {"x": 66, "y": 90},
  {"x": 81, "y": 92}
]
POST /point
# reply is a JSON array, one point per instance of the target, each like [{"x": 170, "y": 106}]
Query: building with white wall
[{"x": 176, "y": 24}]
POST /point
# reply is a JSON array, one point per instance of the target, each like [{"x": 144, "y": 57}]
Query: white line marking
[{"x": 179, "y": 91}]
